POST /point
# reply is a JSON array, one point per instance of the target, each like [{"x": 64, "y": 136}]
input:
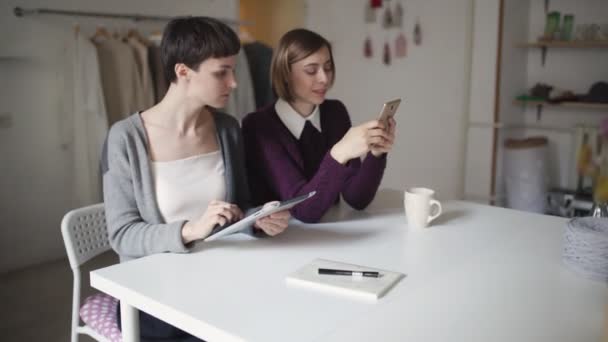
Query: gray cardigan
[{"x": 135, "y": 225}]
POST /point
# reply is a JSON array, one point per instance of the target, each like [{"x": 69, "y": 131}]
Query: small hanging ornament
[
  {"x": 367, "y": 48},
  {"x": 375, "y": 3},
  {"x": 400, "y": 46},
  {"x": 370, "y": 14},
  {"x": 387, "y": 19},
  {"x": 386, "y": 58},
  {"x": 398, "y": 16},
  {"x": 417, "y": 33}
]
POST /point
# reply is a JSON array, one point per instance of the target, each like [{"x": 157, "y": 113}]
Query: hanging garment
[
  {"x": 158, "y": 77},
  {"x": 375, "y": 3},
  {"x": 259, "y": 57},
  {"x": 120, "y": 78},
  {"x": 143, "y": 65},
  {"x": 368, "y": 50},
  {"x": 242, "y": 99},
  {"x": 386, "y": 58},
  {"x": 88, "y": 121}
]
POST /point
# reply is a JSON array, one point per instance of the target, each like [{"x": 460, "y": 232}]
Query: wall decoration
[
  {"x": 398, "y": 16},
  {"x": 370, "y": 14},
  {"x": 368, "y": 50},
  {"x": 386, "y": 58},
  {"x": 387, "y": 19},
  {"x": 400, "y": 46},
  {"x": 417, "y": 33}
]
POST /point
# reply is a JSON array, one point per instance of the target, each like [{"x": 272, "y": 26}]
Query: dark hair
[
  {"x": 191, "y": 40},
  {"x": 294, "y": 46}
]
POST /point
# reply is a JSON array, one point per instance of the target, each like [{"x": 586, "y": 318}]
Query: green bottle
[
  {"x": 552, "y": 25},
  {"x": 567, "y": 27}
]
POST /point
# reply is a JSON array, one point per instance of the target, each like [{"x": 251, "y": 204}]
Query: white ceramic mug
[{"x": 419, "y": 205}]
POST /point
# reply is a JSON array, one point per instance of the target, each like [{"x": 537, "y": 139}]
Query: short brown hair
[
  {"x": 191, "y": 40},
  {"x": 294, "y": 46}
]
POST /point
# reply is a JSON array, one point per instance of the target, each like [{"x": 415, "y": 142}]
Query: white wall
[
  {"x": 573, "y": 69},
  {"x": 432, "y": 81},
  {"x": 35, "y": 169}
]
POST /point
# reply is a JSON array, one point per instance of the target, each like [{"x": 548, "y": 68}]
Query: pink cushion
[{"x": 99, "y": 313}]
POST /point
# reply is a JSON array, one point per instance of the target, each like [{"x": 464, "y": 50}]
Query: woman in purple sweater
[{"x": 304, "y": 142}]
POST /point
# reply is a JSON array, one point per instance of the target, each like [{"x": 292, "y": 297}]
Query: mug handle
[{"x": 436, "y": 215}]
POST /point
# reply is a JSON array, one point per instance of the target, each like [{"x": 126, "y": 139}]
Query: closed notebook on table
[{"x": 364, "y": 288}]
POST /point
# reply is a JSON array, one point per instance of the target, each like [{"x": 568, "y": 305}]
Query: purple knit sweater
[{"x": 276, "y": 171}]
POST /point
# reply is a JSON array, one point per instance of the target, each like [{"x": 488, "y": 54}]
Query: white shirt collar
[{"x": 294, "y": 121}]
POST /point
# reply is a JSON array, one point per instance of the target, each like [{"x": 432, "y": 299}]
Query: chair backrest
[{"x": 85, "y": 234}]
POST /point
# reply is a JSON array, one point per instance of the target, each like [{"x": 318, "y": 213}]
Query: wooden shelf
[
  {"x": 573, "y": 44},
  {"x": 11, "y": 58},
  {"x": 577, "y": 105},
  {"x": 574, "y": 105}
]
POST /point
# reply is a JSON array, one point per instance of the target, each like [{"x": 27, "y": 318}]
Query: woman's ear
[{"x": 182, "y": 71}]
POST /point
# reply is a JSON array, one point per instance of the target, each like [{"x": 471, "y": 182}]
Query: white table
[{"x": 480, "y": 273}]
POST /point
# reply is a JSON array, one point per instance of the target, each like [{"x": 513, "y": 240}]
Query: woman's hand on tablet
[
  {"x": 217, "y": 213},
  {"x": 275, "y": 223}
]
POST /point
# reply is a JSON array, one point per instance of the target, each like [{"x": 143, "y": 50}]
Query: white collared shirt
[{"x": 294, "y": 121}]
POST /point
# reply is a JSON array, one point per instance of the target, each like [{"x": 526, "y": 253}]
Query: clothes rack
[{"x": 23, "y": 12}]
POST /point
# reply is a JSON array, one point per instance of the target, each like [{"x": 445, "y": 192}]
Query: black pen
[{"x": 349, "y": 273}]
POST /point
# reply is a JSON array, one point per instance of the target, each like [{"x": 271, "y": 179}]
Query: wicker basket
[{"x": 586, "y": 247}]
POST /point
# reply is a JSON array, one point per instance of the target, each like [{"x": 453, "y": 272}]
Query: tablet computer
[{"x": 267, "y": 209}]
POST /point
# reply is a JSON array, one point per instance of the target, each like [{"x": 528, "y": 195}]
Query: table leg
[{"x": 130, "y": 322}]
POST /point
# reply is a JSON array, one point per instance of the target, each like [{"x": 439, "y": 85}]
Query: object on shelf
[
  {"x": 525, "y": 173},
  {"x": 564, "y": 96},
  {"x": 541, "y": 90},
  {"x": 567, "y": 27},
  {"x": 551, "y": 26},
  {"x": 598, "y": 93}
]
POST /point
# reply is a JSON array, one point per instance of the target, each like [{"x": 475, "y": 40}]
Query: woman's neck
[
  {"x": 175, "y": 112},
  {"x": 302, "y": 108}
]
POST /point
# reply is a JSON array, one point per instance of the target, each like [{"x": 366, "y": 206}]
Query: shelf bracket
[
  {"x": 543, "y": 55},
  {"x": 539, "y": 111}
]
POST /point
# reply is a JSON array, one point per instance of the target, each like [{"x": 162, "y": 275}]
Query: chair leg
[{"x": 75, "y": 307}]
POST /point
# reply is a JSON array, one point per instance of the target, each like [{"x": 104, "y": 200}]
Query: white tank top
[{"x": 184, "y": 187}]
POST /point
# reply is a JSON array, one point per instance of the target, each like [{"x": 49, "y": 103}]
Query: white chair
[{"x": 85, "y": 236}]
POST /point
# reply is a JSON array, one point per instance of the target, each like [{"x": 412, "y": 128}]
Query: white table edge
[{"x": 139, "y": 302}]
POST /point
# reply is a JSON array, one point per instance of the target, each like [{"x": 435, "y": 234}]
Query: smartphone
[{"x": 388, "y": 111}]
